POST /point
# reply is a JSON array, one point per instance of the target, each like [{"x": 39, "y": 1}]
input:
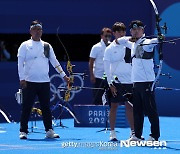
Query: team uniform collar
[
  {"x": 141, "y": 39},
  {"x": 102, "y": 42}
]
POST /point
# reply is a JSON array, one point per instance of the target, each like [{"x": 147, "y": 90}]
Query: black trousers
[
  {"x": 97, "y": 94},
  {"x": 33, "y": 90},
  {"x": 144, "y": 102}
]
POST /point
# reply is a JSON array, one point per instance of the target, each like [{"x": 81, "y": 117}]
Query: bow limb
[
  {"x": 5, "y": 116},
  {"x": 158, "y": 75},
  {"x": 160, "y": 38},
  {"x": 154, "y": 6},
  {"x": 69, "y": 69}
]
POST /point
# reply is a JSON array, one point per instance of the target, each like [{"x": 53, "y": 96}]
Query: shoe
[
  {"x": 22, "y": 135},
  {"x": 142, "y": 138},
  {"x": 134, "y": 138},
  {"x": 133, "y": 134},
  {"x": 151, "y": 139},
  {"x": 113, "y": 136},
  {"x": 51, "y": 134}
]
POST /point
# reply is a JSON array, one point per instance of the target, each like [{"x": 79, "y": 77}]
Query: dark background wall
[
  {"x": 71, "y": 16},
  {"x": 80, "y": 23},
  {"x": 77, "y": 45}
]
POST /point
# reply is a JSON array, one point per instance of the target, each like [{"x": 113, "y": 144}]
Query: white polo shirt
[
  {"x": 97, "y": 52},
  {"x": 115, "y": 65},
  {"x": 142, "y": 69},
  {"x": 33, "y": 66}
]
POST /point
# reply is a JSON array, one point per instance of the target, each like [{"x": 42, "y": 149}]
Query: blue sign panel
[{"x": 98, "y": 116}]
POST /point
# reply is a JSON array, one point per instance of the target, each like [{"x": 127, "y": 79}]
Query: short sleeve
[{"x": 93, "y": 53}]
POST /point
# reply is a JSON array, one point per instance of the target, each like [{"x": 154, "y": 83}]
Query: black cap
[{"x": 136, "y": 24}]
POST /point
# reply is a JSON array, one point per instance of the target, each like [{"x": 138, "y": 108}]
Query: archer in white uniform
[
  {"x": 96, "y": 65},
  {"x": 33, "y": 68},
  {"x": 142, "y": 77},
  {"x": 117, "y": 65}
]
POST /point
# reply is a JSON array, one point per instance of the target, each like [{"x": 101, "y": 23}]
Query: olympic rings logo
[{"x": 57, "y": 81}]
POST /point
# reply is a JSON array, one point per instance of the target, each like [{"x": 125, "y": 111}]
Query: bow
[
  {"x": 160, "y": 38},
  {"x": 69, "y": 68}
]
